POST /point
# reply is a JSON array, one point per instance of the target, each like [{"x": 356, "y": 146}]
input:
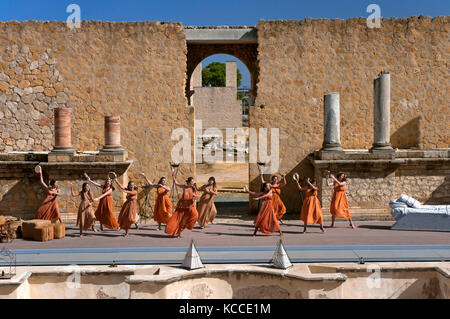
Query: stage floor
[{"x": 232, "y": 242}]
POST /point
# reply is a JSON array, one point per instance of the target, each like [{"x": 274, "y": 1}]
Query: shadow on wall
[
  {"x": 407, "y": 136},
  {"x": 441, "y": 195},
  {"x": 290, "y": 194},
  {"x": 25, "y": 197}
]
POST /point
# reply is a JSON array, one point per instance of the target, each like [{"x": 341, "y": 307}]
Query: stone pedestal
[
  {"x": 63, "y": 135},
  {"x": 331, "y": 123},
  {"x": 381, "y": 113},
  {"x": 112, "y": 136}
]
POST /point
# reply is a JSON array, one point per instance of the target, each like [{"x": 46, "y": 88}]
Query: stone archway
[{"x": 240, "y": 42}]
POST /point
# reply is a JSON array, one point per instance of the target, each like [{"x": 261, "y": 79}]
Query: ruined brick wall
[
  {"x": 135, "y": 70},
  {"x": 300, "y": 61}
]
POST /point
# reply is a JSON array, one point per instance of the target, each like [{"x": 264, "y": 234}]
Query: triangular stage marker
[
  {"x": 192, "y": 259},
  {"x": 280, "y": 258}
]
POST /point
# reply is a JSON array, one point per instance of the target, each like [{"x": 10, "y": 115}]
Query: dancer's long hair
[
  {"x": 110, "y": 185},
  {"x": 344, "y": 178},
  {"x": 129, "y": 188},
  {"x": 189, "y": 179},
  {"x": 86, "y": 194},
  {"x": 214, "y": 182}
]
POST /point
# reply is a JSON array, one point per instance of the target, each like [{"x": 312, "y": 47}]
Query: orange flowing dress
[
  {"x": 339, "y": 204},
  {"x": 311, "y": 210},
  {"x": 128, "y": 213},
  {"x": 163, "y": 206},
  {"x": 277, "y": 203},
  {"x": 267, "y": 221},
  {"x": 104, "y": 213},
  {"x": 185, "y": 215},
  {"x": 49, "y": 208},
  {"x": 206, "y": 209},
  {"x": 86, "y": 216}
]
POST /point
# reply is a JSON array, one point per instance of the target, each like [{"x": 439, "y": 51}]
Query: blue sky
[{"x": 213, "y": 12}]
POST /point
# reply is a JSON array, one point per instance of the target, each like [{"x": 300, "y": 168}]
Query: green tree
[{"x": 214, "y": 74}]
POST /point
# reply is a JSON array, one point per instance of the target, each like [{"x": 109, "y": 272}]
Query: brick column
[
  {"x": 63, "y": 134},
  {"x": 112, "y": 134}
]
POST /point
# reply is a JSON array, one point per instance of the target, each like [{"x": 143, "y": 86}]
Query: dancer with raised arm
[
  {"x": 276, "y": 186},
  {"x": 339, "y": 204},
  {"x": 128, "y": 213},
  {"x": 311, "y": 211},
  {"x": 86, "y": 216},
  {"x": 105, "y": 209},
  {"x": 266, "y": 221},
  {"x": 206, "y": 209},
  {"x": 49, "y": 209},
  {"x": 163, "y": 204},
  {"x": 185, "y": 215}
]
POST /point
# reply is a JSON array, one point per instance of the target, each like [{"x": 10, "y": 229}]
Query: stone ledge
[
  {"x": 359, "y": 155},
  {"x": 247, "y": 270}
]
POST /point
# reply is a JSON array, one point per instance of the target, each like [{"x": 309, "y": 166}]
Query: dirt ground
[{"x": 226, "y": 174}]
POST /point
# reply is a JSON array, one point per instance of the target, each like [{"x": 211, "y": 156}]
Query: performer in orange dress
[
  {"x": 339, "y": 204},
  {"x": 105, "y": 210},
  {"x": 206, "y": 209},
  {"x": 163, "y": 204},
  {"x": 266, "y": 221},
  {"x": 185, "y": 215},
  {"x": 276, "y": 186},
  {"x": 49, "y": 208},
  {"x": 311, "y": 211},
  {"x": 86, "y": 216},
  {"x": 128, "y": 213}
]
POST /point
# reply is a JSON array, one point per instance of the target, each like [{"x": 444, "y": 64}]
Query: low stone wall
[
  {"x": 302, "y": 281},
  {"x": 21, "y": 193}
]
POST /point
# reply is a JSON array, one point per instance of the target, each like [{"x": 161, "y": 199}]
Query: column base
[
  {"x": 112, "y": 150},
  {"x": 331, "y": 147},
  {"x": 330, "y": 152},
  {"x": 383, "y": 151},
  {"x": 62, "y": 150}
]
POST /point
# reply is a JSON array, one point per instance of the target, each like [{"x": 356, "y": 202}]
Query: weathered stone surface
[{"x": 50, "y": 92}]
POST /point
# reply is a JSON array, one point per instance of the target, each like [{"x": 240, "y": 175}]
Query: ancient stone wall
[
  {"x": 134, "y": 70},
  {"x": 300, "y": 61}
]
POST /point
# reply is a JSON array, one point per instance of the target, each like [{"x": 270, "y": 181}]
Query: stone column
[
  {"x": 331, "y": 123},
  {"x": 230, "y": 74},
  {"x": 112, "y": 134},
  {"x": 382, "y": 111},
  {"x": 63, "y": 134}
]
